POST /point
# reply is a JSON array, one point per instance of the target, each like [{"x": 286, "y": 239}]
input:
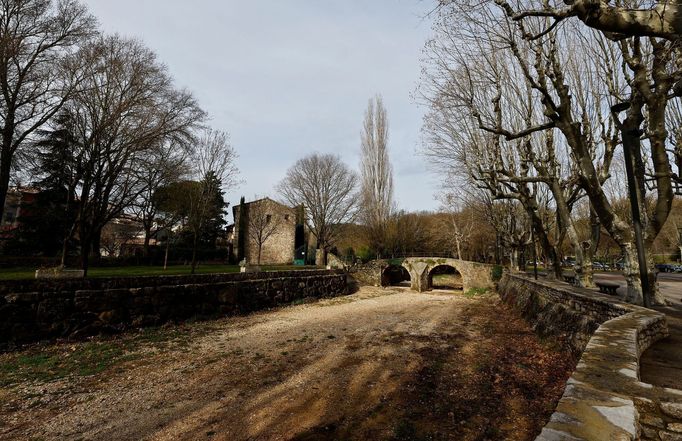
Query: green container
[{"x": 299, "y": 262}]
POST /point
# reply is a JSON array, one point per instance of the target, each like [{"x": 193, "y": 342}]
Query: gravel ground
[{"x": 365, "y": 366}]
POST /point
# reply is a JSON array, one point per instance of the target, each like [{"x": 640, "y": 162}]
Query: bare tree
[
  {"x": 460, "y": 225},
  {"x": 543, "y": 55},
  {"x": 215, "y": 166},
  {"x": 36, "y": 38},
  {"x": 116, "y": 235},
  {"x": 405, "y": 234},
  {"x": 376, "y": 172},
  {"x": 674, "y": 127},
  {"x": 262, "y": 224},
  {"x": 125, "y": 106},
  {"x": 328, "y": 190},
  {"x": 164, "y": 164},
  {"x": 622, "y": 19}
]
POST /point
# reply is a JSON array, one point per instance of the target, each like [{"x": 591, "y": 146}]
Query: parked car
[
  {"x": 666, "y": 268},
  {"x": 674, "y": 268},
  {"x": 598, "y": 266}
]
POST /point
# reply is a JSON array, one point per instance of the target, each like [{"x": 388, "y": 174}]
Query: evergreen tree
[
  {"x": 44, "y": 223},
  {"x": 214, "y": 222}
]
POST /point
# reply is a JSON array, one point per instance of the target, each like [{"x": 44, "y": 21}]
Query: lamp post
[{"x": 630, "y": 133}]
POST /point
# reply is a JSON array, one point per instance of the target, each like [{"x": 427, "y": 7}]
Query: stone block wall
[
  {"x": 604, "y": 399},
  {"x": 279, "y": 246},
  {"x": 557, "y": 311},
  {"x": 111, "y": 305},
  {"x": 369, "y": 273},
  {"x": 99, "y": 283}
]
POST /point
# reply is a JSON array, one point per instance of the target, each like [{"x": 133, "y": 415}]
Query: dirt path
[{"x": 380, "y": 364}]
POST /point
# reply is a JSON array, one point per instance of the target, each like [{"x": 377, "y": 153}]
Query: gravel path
[{"x": 294, "y": 373}]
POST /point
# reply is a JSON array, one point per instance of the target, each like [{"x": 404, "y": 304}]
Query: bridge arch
[
  {"x": 444, "y": 276},
  {"x": 395, "y": 275}
]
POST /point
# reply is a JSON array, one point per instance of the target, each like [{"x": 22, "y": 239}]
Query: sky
[{"x": 289, "y": 78}]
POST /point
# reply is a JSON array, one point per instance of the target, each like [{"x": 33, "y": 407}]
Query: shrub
[{"x": 496, "y": 273}]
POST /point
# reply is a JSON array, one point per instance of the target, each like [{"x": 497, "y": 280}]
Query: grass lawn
[
  {"x": 128, "y": 271},
  {"x": 44, "y": 363}
]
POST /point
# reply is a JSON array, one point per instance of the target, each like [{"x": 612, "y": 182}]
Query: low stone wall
[
  {"x": 369, "y": 273},
  {"x": 603, "y": 399},
  {"x": 557, "y": 311},
  {"x": 100, "y": 305},
  {"x": 42, "y": 285}
]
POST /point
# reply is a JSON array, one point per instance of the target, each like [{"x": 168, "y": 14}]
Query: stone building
[{"x": 276, "y": 227}]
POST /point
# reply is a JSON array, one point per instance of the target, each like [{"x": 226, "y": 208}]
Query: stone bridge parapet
[{"x": 474, "y": 274}]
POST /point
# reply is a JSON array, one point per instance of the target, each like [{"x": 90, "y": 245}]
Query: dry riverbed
[{"x": 382, "y": 364}]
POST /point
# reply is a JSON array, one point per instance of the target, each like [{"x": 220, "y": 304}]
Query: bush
[
  {"x": 496, "y": 273},
  {"x": 365, "y": 254}
]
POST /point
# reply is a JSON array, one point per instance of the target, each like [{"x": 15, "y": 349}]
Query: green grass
[
  {"x": 58, "y": 362},
  {"x": 446, "y": 278},
  {"x": 52, "y": 362},
  {"x": 473, "y": 292},
  {"x": 131, "y": 271}
]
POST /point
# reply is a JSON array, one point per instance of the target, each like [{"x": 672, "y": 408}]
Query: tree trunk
[
  {"x": 320, "y": 257},
  {"x": 548, "y": 249},
  {"x": 4, "y": 187},
  {"x": 6, "y": 160},
  {"x": 514, "y": 259},
  {"x": 85, "y": 246},
  {"x": 195, "y": 241},
  {"x": 145, "y": 247},
  {"x": 97, "y": 245},
  {"x": 583, "y": 270},
  {"x": 633, "y": 292},
  {"x": 586, "y": 277},
  {"x": 591, "y": 249},
  {"x": 85, "y": 255},
  {"x": 165, "y": 257},
  {"x": 66, "y": 244},
  {"x": 65, "y": 252},
  {"x": 498, "y": 258}
]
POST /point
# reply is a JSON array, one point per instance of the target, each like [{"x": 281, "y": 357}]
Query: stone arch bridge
[{"x": 420, "y": 269}]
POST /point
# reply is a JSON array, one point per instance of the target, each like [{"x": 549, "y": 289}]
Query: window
[{"x": 268, "y": 218}]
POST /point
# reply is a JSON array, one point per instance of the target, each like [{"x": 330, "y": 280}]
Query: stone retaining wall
[
  {"x": 33, "y": 285},
  {"x": 603, "y": 399},
  {"x": 110, "y": 305}
]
